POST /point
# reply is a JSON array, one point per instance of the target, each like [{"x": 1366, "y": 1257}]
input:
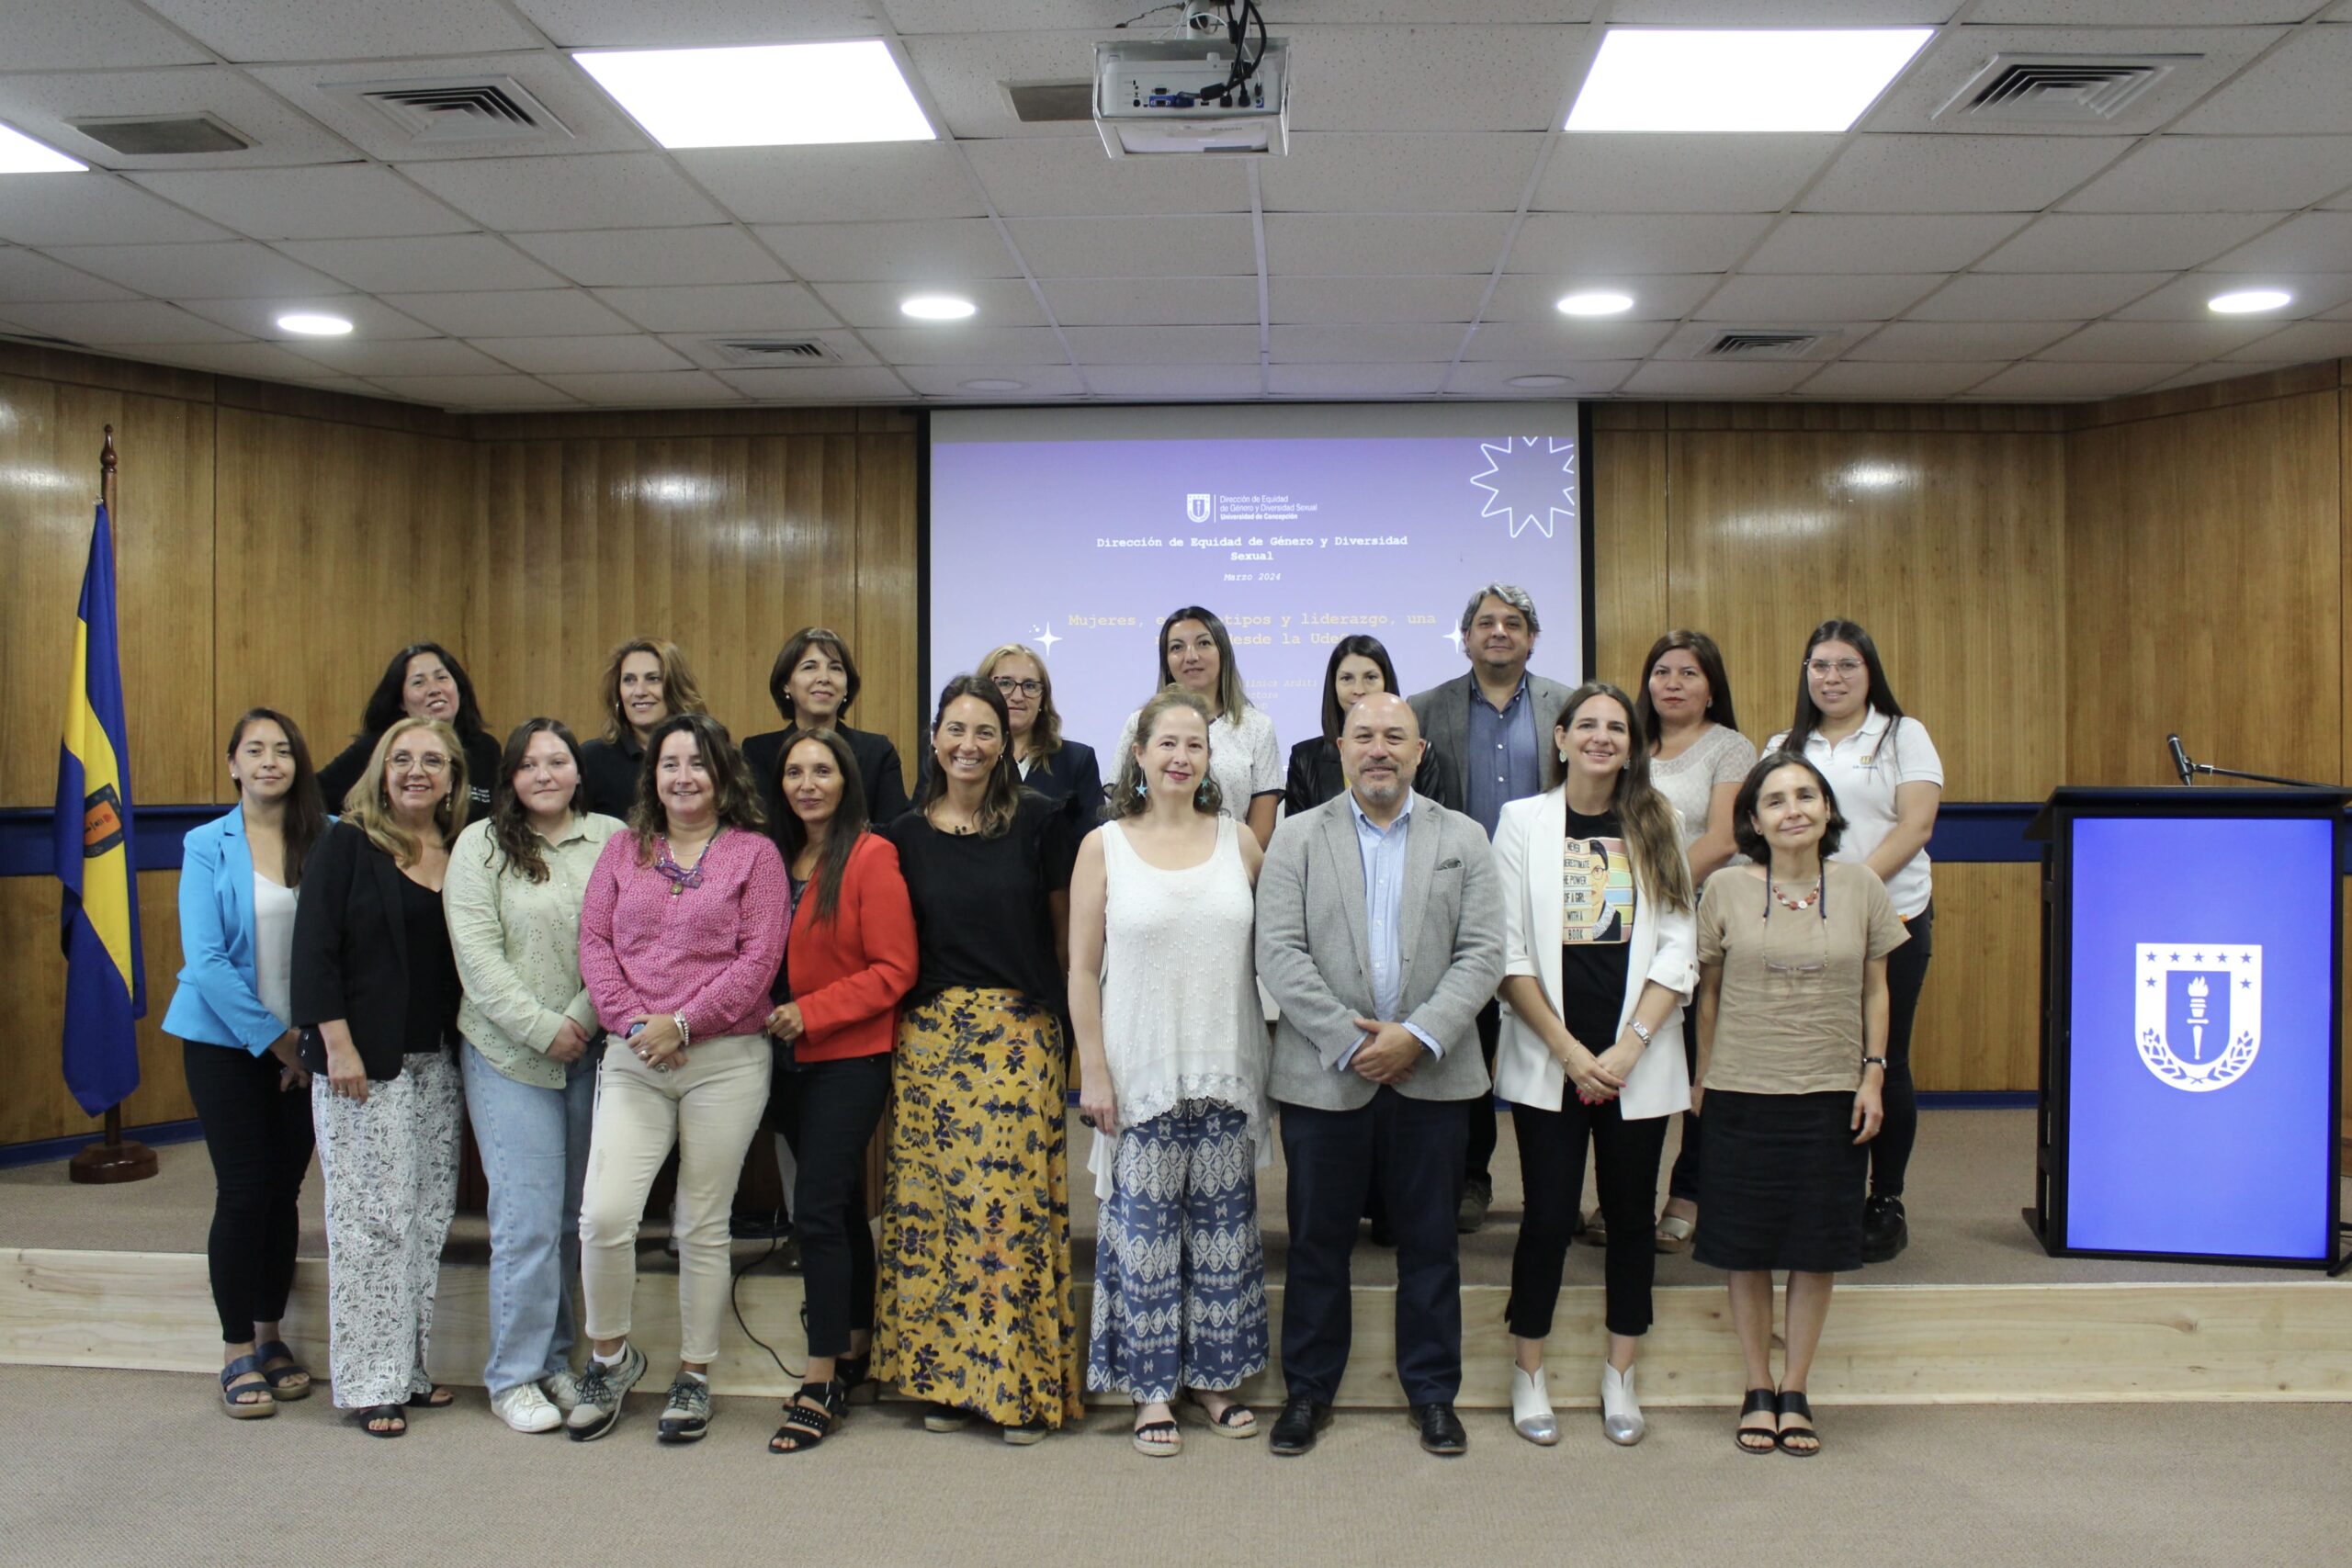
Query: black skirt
[{"x": 1781, "y": 1182}]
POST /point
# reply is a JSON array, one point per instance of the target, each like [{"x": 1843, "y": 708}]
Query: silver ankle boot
[{"x": 1620, "y": 1416}]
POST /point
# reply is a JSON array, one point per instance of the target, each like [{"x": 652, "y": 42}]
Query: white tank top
[{"x": 273, "y": 946}]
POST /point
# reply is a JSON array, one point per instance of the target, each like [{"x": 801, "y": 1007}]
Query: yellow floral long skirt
[{"x": 973, "y": 1304}]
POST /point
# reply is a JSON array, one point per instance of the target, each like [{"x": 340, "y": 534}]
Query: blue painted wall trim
[
  {"x": 24, "y": 836},
  {"x": 48, "y": 1149}
]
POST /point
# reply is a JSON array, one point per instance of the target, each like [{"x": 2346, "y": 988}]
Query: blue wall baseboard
[{"x": 48, "y": 1149}]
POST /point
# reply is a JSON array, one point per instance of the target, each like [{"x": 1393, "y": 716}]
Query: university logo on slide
[
  {"x": 2198, "y": 1012},
  {"x": 1197, "y": 506}
]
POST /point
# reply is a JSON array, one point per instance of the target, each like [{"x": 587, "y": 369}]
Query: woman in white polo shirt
[{"x": 1889, "y": 782}]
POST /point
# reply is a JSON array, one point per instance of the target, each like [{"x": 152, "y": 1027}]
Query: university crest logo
[
  {"x": 2198, "y": 1012},
  {"x": 1196, "y": 507}
]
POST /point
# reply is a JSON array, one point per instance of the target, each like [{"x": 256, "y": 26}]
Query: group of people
[{"x": 1606, "y": 909}]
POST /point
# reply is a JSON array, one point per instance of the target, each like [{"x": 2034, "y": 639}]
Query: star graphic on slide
[
  {"x": 1043, "y": 637},
  {"x": 1455, "y": 637},
  {"x": 1522, "y": 481}
]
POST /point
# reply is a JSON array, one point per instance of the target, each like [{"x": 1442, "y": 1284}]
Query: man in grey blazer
[
  {"x": 1380, "y": 934},
  {"x": 1495, "y": 721}
]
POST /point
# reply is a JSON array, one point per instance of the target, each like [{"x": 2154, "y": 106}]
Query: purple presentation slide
[{"x": 1077, "y": 531}]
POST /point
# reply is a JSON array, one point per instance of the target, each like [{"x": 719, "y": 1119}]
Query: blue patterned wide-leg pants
[{"x": 1180, "y": 1270}]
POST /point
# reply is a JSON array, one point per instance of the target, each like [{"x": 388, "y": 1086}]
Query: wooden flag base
[{"x": 116, "y": 1159}]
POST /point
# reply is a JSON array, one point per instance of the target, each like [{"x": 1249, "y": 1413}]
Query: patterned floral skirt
[{"x": 973, "y": 1308}]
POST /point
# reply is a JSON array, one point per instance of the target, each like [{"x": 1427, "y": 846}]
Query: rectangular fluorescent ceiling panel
[
  {"x": 1747, "y": 79},
  {"x": 20, "y": 154},
  {"x": 784, "y": 94}
]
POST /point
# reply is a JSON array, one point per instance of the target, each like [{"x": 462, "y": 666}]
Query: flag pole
[{"x": 115, "y": 1159}]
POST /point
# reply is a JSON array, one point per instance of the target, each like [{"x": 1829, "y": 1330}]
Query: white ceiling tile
[
  {"x": 961, "y": 16},
  {"x": 2317, "y": 241},
  {"x": 2303, "y": 341},
  {"x": 2203, "y": 59},
  {"x": 262, "y": 361},
  {"x": 535, "y": 355},
  {"x": 475, "y": 391},
  {"x": 818, "y": 384},
  {"x": 2222, "y": 174},
  {"x": 1036, "y": 380},
  {"x": 1163, "y": 345},
  {"x": 85, "y": 35},
  {"x": 1587, "y": 378},
  {"x": 1957, "y": 343},
  {"x": 1792, "y": 298},
  {"x": 231, "y": 269},
  {"x": 1377, "y": 172},
  {"x": 1849, "y": 379},
  {"x": 1952, "y": 172},
  {"x": 650, "y": 389},
  {"x": 1612, "y": 172},
  {"x": 1658, "y": 296},
  {"x": 2034, "y": 297},
  {"x": 963, "y": 73},
  {"x": 1152, "y": 301},
  {"x": 857, "y": 253},
  {"x": 1065, "y": 178},
  {"x": 535, "y": 313},
  {"x": 952, "y": 342},
  {"x": 43, "y": 104},
  {"x": 588, "y": 122},
  {"x": 1366, "y": 343},
  {"x": 345, "y": 29},
  {"x": 2148, "y": 342},
  {"x": 2140, "y": 13},
  {"x": 1137, "y": 248},
  {"x": 1782, "y": 13},
  {"x": 1693, "y": 379},
  {"x": 707, "y": 24},
  {"x": 1579, "y": 242},
  {"x": 436, "y": 264},
  {"x": 2038, "y": 379},
  {"x": 2184, "y": 298},
  {"x": 863, "y": 182},
  {"x": 2297, "y": 90},
  {"x": 731, "y": 308},
  {"x": 704, "y": 349},
  {"x": 1819, "y": 241},
  {"x": 410, "y": 356},
  {"x": 2220, "y": 370},
  {"x": 1448, "y": 297},
  {"x": 331, "y": 201},
  {"x": 615, "y": 257},
  {"x": 369, "y": 318},
  {"x": 1425, "y": 78},
  {"x": 1175, "y": 380},
  {"x": 129, "y": 320},
  {"x": 1004, "y": 302},
  {"x": 605, "y": 190},
  {"x": 1343, "y": 380},
  {"x": 2088, "y": 242},
  {"x": 33, "y": 278},
  {"x": 1351, "y": 244},
  {"x": 92, "y": 210},
  {"x": 1564, "y": 338}
]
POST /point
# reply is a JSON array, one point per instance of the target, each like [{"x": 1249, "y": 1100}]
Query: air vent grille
[
  {"x": 2059, "y": 88},
  {"x": 771, "y": 351},
  {"x": 497, "y": 108},
  {"x": 1763, "y": 344},
  {"x": 150, "y": 138},
  {"x": 1051, "y": 103}
]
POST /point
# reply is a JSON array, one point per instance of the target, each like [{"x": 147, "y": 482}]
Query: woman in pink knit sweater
[{"x": 684, "y": 927}]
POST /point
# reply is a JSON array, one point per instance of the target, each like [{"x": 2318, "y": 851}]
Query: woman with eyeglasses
[
  {"x": 1793, "y": 1012},
  {"x": 1055, "y": 767},
  {"x": 1889, "y": 782}
]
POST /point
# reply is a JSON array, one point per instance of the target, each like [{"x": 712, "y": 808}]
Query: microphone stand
[{"x": 2210, "y": 771}]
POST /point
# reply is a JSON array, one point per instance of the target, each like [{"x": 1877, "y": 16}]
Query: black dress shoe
[
  {"x": 1442, "y": 1430},
  {"x": 1885, "y": 1231},
  {"x": 1295, "y": 1428}
]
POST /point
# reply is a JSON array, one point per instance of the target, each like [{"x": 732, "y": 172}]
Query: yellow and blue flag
[{"x": 106, "y": 983}]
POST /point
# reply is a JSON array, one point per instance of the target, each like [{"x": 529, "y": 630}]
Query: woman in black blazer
[
  {"x": 1059, "y": 770},
  {"x": 1359, "y": 667},
  {"x": 812, "y": 684},
  {"x": 423, "y": 681},
  {"x": 375, "y": 993}
]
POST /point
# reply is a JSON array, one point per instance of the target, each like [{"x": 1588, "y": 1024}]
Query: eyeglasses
[
  {"x": 1846, "y": 666},
  {"x": 432, "y": 761},
  {"x": 1008, "y": 685}
]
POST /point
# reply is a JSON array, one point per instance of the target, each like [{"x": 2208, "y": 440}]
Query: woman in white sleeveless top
[{"x": 1172, "y": 1061}]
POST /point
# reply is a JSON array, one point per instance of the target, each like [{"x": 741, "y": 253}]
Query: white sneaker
[
  {"x": 526, "y": 1409},
  {"x": 562, "y": 1389}
]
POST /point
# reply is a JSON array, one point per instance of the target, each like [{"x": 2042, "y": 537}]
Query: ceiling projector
[{"x": 1199, "y": 94}]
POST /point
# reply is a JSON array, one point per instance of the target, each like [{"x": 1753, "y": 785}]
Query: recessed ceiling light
[
  {"x": 774, "y": 96},
  {"x": 1596, "y": 304},
  {"x": 1539, "y": 381},
  {"x": 1750, "y": 79},
  {"x": 20, "y": 154},
  {"x": 936, "y": 307},
  {"x": 2246, "y": 300},
  {"x": 993, "y": 384},
  {"x": 310, "y": 324}
]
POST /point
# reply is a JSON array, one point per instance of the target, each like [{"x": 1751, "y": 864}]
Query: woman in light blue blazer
[{"x": 238, "y": 879}]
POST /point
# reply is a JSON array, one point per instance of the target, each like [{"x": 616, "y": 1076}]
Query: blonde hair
[
  {"x": 680, "y": 694},
  {"x": 1046, "y": 734},
  {"x": 369, "y": 809}
]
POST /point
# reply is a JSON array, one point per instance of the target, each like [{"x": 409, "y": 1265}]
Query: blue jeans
[{"x": 533, "y": 1145}]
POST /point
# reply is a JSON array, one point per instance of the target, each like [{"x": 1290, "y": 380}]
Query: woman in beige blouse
[
  {"x": 1793, "y": 1015},
  {"x": 516, "y": 882}
]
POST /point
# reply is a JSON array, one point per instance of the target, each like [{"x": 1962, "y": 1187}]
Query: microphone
[{"x": 2180, "y": 760}]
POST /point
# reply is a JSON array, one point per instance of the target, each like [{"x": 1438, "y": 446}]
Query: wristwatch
[
  {"x": 1874, "y": 1061},
  {"x": 1640, "y": 1028}
]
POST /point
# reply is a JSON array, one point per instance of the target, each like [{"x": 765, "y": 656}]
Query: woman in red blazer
[{"x": 850, "y": 958}]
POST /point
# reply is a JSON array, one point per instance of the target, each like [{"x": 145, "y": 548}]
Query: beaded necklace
[{"x": 682, "y": 877}]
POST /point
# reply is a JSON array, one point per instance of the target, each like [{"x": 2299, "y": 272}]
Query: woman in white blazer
[{"x": 1599, "y": 954}]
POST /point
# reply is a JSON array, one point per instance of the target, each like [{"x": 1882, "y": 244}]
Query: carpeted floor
[{"x": 119, "y": 1467}]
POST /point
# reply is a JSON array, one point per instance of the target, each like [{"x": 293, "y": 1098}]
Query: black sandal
[
  {"x": 434, "y": 1398},
  {"x": 804, "y": 1426},
  {"x": 1763, "y": 1400},
  {"x": 282, "y": 1369},
  {"x": 1158, "y": 1439},
  {"x": 1793, "y": 1403},
  {"x": 365, "y": 1420},
  {"x": 856, "y": 1375}
]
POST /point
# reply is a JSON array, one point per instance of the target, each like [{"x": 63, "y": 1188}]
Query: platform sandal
[
  {"x": 855, "y": 1374},
  {"x": 806, "y": 1426},
  {"x": 1758, "y": 1440},
  {"x": 288, "y": 1378},
  {"x": 246, "y": 1401}
]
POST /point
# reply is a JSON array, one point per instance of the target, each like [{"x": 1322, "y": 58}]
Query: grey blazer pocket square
[{"x": 1454, "y": 864}]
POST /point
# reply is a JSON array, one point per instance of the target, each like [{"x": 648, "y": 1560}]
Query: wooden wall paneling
[
  {"x": 46, "y": 499},
  {"x": 165, "y": 560},
  {"x": 886, "y": 567},
  {"x": 1631, "y": 576},
  {"x": 1978, "y": 1026}
]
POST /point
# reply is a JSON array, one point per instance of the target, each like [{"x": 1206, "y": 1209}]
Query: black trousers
[
  {"x": 1415, "y": 1148},
  {"x": 1906, "y": 972},
  {"x": 1478, "y": 1157},
  {"x": 260, "y": 1139},
  {"x": 828, "y": 1112},
  {"x": 1682, "y": 1181},
  {"x": 1551, "y": 1163}
]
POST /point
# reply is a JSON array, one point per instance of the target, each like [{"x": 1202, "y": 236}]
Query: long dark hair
[
  {"x": 1004, "y": 795},
  {"x": 305, "y": 821},
  {"x": 1232, "y": 699},
  {"x": 510, "y": 824},
  {"x": 1879, "y": 696},
  {"x": 384, "y": 704},
  {"x": 1743, "y": 806},
  {"x": 1646, "y": 816},
  {"x": 1711, "y": 665},
  {"x": 1358, "y": 647},
  {"x": 848, "y": 825},
  {"x": 680, "y": 692},
  {"x": 795, "y": 648},
  {"x": 738, "y": 804}
]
